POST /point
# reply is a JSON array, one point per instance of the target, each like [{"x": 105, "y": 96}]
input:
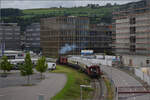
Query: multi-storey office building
[
  {"x": 32, "y": 37},
  {"x": 10, "y": 36},
  {"x": 101, "y": 38},
  {"x": 64, "y": 35},
  {"x": 132, "y": 34}
]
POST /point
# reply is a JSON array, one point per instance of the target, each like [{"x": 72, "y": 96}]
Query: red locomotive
[{"x": 83, "y": 64}]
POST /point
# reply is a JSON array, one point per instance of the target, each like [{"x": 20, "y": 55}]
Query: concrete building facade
[
  {"x": 32, "y": 37},
  {"x": 10, "y": 36},
  {"x": 64, "y": 35},
  {"x": 132, "y": 34}
]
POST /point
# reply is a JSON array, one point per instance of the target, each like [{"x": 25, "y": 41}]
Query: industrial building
[
  {"x": 10, "y": 36},
  {"x": 132, "y": 33},
  {"x": 64, "y": 35},
  {"x": 101, "y": 38},
  {"x": 32, "y": 37}
]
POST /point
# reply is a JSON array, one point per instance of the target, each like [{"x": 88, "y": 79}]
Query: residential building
[
  {"x": 32, "y": 37},
  {"x": 101, "y": 38},
  {"x": 10, "y": 36},
  {"x": 64, "y": 35},
  {"x": 132, "y": 33}
]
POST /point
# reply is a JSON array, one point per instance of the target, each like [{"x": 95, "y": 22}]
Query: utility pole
[{"x": 116, "y": 93}]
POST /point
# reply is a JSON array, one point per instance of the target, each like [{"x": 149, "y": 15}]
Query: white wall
[{"x": 137, "y": 60}]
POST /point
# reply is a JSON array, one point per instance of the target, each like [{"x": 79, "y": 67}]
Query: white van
[{"x": 51, "y": 66}]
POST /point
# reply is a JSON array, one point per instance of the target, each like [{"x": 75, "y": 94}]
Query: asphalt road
[
  {"x": 122, "y": 79},
  {"x": 48, "y": 87}
]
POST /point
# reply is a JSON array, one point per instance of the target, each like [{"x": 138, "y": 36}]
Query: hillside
[{"x": 28, "y": 16}]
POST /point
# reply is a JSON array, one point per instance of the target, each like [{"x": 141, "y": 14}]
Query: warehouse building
[{"x": 132, "y": 33}]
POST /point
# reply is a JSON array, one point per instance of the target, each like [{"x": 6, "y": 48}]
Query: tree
[
  {"x": 6, "y": 12},
  {"x": 108, "y": 5},
  {"x": 5, "y": 65},
  {"x": 41, "y": 65},
  {"x": 27, "y": 68}
]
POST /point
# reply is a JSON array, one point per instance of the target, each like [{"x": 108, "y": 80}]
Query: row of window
[
  {"x": 82, "y": 32},
  {"x": 7, "y": 38},
  {"x": 37, "y": 29},
  {"x": 33, "y": 39},
  {"x": 9, "y": 33},
  {"x": 72, "y": 20},
  {"x": 75, "y": 39},
  {"x": 33, "y": 34}
]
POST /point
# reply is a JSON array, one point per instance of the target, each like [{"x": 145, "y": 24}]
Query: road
[
  {"x": 122, "y": 79},
  {"x": 48, "y": 87}
]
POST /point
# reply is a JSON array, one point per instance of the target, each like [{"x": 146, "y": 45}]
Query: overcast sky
[{"x": 29, "y": 4}]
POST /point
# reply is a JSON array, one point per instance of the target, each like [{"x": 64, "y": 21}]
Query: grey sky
[{"x": 28, "y": 4}]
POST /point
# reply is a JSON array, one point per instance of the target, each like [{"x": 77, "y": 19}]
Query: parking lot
[{"x": 13, "y": 87}]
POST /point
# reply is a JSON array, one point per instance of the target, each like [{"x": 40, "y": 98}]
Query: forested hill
[{"x": 95, "y": 12}]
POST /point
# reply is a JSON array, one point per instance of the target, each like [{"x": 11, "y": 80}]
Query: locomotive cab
[{"x": 94, "y": 71}]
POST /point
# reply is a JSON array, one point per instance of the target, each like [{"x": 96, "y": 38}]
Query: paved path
[
  {"x": 121, "y": 78},
  {"x": 49, "y": 87}
]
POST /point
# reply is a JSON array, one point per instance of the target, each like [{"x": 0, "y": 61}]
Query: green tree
[
  {"x": 5, "y": 65},
  {"x": 41, "y": 65},
  {"x": 27, "y": 68}
]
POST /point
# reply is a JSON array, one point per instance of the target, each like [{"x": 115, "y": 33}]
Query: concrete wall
[{"x": 137, "y": 60}]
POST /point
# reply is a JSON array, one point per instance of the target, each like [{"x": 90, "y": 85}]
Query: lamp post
[
  {"x": 85, "y": 86},
  {"x": 116, "y": 93},
  {"x": 41, "y": 97}
]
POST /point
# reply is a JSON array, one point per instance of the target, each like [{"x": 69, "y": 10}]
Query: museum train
[{"x": 83, "y": 64}]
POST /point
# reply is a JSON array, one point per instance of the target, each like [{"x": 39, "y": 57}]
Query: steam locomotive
[{"x": 83, "y": 64}]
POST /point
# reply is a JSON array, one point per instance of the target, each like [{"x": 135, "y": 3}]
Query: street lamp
[
  {"x": 40, "y": 96},
  {"x": 85, "y": 86}
]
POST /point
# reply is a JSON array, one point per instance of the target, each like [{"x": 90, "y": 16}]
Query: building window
[
  {"x": 132, "y": 20},
  {"x": 147, "y": 61},
  {"x": 132, "y": 48},
  {"x": 132, "y": 30},
  {"x": 132, "y": 39}
]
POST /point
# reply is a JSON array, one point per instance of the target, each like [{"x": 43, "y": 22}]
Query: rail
[
  {"x": 98, "y": 89},
  {"x": 113, "y": 86}
]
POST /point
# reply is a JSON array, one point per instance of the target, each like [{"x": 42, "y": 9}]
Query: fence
[
  {"x": 102, "y": 62},
  {"x": 143, "y": 76}
]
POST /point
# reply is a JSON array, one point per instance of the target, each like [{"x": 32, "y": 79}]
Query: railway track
[{"x": 99, "y": 91}]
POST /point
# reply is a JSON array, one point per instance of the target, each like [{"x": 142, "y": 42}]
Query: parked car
[{"x": 51, "y": 66}]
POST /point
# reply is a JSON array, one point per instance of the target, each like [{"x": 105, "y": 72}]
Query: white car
[{"x": 51, "y": 66}]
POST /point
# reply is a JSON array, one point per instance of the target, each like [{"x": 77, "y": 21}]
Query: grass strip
[
  {"x": 71, "y": 90},
  {"x": 109, "y": 89}
]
